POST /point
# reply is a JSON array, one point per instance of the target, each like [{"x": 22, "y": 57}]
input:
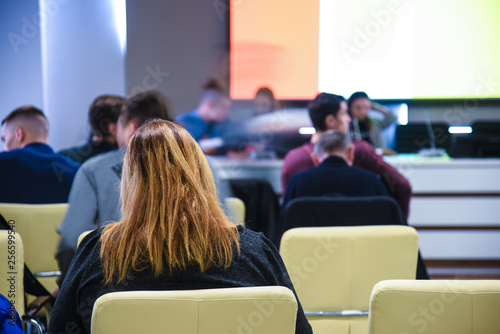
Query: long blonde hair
[{"x": 170, "y": 210}]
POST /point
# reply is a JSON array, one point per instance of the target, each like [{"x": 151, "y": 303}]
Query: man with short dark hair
[
  {"x": 329, "y": 112},
  {"x": 30, "y": 171},
  {"x": 335, "y": 174},
  {"x": 103, "y": 114}
]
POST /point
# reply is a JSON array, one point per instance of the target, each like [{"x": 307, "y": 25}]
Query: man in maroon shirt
[{"x": 329, "y": 112}]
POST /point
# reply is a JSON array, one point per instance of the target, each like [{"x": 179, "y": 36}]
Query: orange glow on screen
[{"x": 267, "y": 41}]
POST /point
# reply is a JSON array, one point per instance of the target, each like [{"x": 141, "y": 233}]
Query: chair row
[
  {"x": 396, "y": 306},
  {"x": 334, "y": 270}
]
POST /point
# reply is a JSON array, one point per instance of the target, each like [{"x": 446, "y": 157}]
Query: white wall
[
  {"x": 20, "y": 56},
  {"x": 186, "y": 39},
  {"x": 82, "y": 58}
]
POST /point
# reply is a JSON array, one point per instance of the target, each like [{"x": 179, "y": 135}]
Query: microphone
[{"x": 432, "y": 151}]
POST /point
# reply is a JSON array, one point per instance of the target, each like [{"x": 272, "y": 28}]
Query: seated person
[
  {"x": 30, "y": 171},
  {"x": 94, "y": 199},
  {"x": 329, "y": 112},
  {"x": 264, "y": 101},
  {"x": 172, "y": 236},
  {"x": 95, "y": 196},
  {"x": 208, "y": 123},
  {"x": 103, "y": 114},
  {"x": 363, "y": 125},
  {"x": 334, "y": 174}
]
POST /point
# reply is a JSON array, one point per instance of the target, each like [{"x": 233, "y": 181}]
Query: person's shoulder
[
  {"x": 365, "y": 151},
  {"x": 248, "y": 234},
  {"x": 67, "y": 161},
  {"x": 104, "y": 159},
  {"x": 298, "y": 153},
  {"x": 10, "y": 155},
  {"x": 363, "y": 173},
  {"x": 187, "y": 115},
  {"x": 250, "y": 240},
  {"x": 303, "y": 176},
  {"x": 77, "y": 153},
  {"x": 91, "y": 239},
  {"x": 71, "y": 150},
  {"x": 362, "y": 145}
]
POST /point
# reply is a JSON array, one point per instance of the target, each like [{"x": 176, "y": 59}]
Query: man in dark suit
[
  {"x": 30, "y": 171},
  {"x": 335, "y": 174}
]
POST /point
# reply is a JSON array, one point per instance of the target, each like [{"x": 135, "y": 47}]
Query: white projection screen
[{"x": 391, "y": 49}]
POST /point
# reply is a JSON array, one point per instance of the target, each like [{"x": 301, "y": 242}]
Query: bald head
[{"x": 23, "y": 126}]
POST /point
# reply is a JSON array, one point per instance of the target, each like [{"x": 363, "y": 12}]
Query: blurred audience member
[
  {"x": 363, "y": 125},
  {"x": 103, "y": 114},
  {"x": 264, "y": 101},
  {"x": 173, "y": 234},
  {"x": 30, "y": 171},
  {"x": 209, "y": 118},
  {"x": 329, "y": 112},
  {"x": 334, "y": 174}
]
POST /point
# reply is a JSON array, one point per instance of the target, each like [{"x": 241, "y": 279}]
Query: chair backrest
[
  {"x": 410, "y": 138},
  {"x": 235, "y": 210},
  {"x": 334, "y": 269},
  {"x": 258, "y": 310},
  {"x": 341, "y": 211},
  {"x": 261, "y": 203},
  {"x": 81, "y": 236},
  {"x": 37, "y": 224},
  {"x": 435, "y": 307},
  {"x": 12, "y": 268}
]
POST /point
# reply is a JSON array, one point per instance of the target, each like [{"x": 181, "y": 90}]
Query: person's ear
[
  {"x": 112, "y": 129},
  {"x": 330, "y": 122},
  {"x": 133, "y": 126},
  {"x": 20, "y": 134},
  {"x": 350, "y": 155}
]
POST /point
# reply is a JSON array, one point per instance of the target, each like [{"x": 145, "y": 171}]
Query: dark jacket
[
  {"x": 35, "y": 175},
  {"x": 92, "y": 148},
  {"x": 334, "y": 177}
]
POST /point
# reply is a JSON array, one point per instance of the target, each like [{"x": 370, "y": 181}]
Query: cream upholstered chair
[
  {"x": 235, "y": 210},
  {"x": 37, "y": 224},
  {"x": 435, "y": 307},
  {"x": 81, "y": 236},
  {"x": 257, "y": 310},
  {"x": 334, "y": 269}
]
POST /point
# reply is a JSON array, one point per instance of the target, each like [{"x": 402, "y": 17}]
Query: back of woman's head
[{"x": 170, "y": 210}]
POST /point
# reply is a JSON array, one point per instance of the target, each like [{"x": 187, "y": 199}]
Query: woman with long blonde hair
[{"x": 173, "y": 234}]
